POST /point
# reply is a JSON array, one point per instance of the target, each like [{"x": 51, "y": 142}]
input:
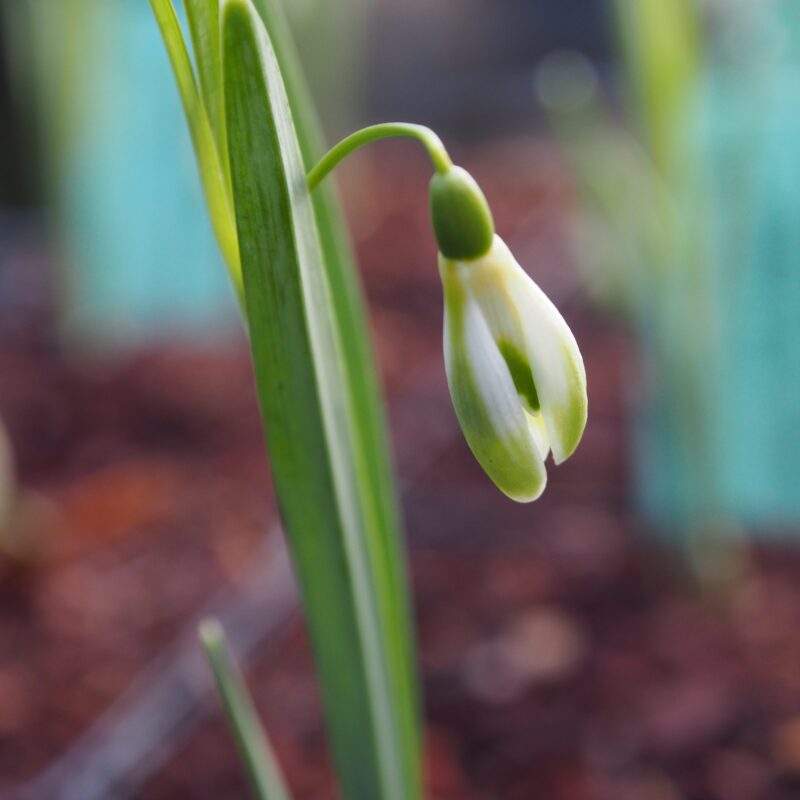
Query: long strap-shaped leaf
[
  {"x": 212, "y": 172},
  {"x": 373, "y": 460},
  {"x": 203, "y": 16},
  {"x": 370, "y": 445},
  {"x": 301, "y": 383}
]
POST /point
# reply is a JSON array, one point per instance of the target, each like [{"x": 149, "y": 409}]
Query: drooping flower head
[{"x": 514, "y": 370}]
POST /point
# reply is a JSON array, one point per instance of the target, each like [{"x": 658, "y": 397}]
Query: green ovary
[{"x": 521, "y": 374}]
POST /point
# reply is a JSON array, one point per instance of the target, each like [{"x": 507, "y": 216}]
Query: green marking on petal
[{"x": 521, "y": 373}]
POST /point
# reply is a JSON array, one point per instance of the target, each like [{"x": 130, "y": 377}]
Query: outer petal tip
[
  {"x": 556, "y": 363},
  {"x": 534, "y": 492}
]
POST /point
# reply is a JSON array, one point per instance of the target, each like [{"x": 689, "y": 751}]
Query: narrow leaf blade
[
  {"x": 301, "y": 382},
  {"x": 211, "y": 171},
  {"x": 260, "y": 763},
  {"x": 204, "y": 27},
  {"x": 375, "y": 478}
]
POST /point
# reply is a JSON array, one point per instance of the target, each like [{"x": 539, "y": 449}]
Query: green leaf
[
  {"x": 307, "y": 401},
  {"x": 259, "y": 761},
  {"x": 203, "y": 16},
  {"x": 375, "y": 481},
  {"x": 212, "y": 173}
]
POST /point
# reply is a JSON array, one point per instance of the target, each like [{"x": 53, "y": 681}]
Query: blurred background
[{"x": 631, "y": 635}]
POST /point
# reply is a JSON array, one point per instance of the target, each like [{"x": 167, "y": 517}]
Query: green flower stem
[{"x": 387, "y": 130}]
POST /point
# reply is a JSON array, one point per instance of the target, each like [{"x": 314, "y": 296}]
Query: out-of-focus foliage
[
  {"x": 687, "y": 226},
  {"x": 137, "y": 256},
  {"x": 139, "y": 263},
  {"x": 659, "y": 40}
]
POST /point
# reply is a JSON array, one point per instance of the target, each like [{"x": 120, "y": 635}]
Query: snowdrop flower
[{"x": 515, "y": 373}]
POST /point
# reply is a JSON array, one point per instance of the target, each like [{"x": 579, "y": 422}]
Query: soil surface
[{"x": 564, "y": 653}]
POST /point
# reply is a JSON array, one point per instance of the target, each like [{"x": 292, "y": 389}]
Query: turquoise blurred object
[
  {"x": 141, "y": 260},
  {"x": 720, "y": 438}
]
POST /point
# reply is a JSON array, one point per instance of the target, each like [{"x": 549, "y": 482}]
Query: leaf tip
[
  {"x": 210, "y": 632},
  {"x": 236, "y": 10}
]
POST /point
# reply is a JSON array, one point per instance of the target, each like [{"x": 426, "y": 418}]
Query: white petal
[
  {"x": 490, "y": 412},
  {"x": 555, "y": 359}
]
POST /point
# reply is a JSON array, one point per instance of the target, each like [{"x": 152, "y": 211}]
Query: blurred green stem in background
[
  {"x": 641, "y": 234},
  {"x": 688, "y": 227},
  {"x": 660, "y": 42},
  {"x": 677, "y": 311}
]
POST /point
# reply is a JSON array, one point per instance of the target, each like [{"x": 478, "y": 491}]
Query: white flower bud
[{"x": 515, "y": 373}]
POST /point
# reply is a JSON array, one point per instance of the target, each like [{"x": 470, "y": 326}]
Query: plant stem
[
  {"x": 260, "y": 764},
  {"x": 432, "y": 143}
]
